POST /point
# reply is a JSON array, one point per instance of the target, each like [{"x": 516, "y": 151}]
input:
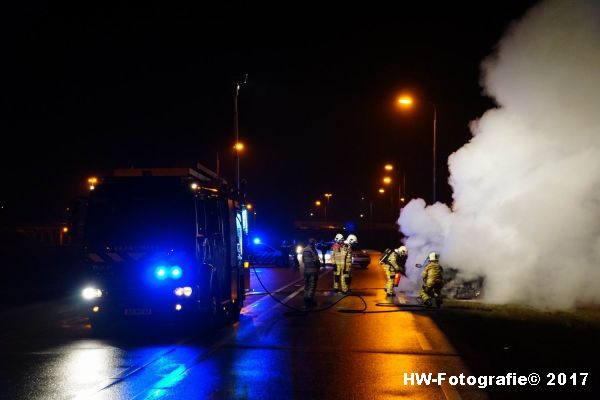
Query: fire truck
[{"x": 164, "y": 243}]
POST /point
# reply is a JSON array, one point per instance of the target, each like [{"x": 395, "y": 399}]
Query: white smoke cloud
[{"x": 526, "y": 188}]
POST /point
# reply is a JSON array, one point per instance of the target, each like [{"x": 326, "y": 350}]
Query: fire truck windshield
[{"x": 141, "y": 215}]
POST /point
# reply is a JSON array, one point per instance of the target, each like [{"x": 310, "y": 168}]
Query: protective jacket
[
  {"x": 311, "y": 260},
  {"x": 341, "y": 255},
  {"x": 397, "y": 263},
  {"x": 433, "y": 274}
]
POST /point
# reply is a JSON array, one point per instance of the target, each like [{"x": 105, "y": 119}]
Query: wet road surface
[{"x": 49, "y": 352}]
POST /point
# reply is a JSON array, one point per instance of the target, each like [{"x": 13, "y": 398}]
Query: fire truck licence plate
[{"x": 137, "y": 311}]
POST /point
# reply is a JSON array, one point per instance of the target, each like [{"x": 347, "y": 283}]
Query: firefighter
[
  {"x": 350, "y": 241},
  {"x": 340, "y": 256},
  {"x": 312, "y": 264},
  {"x": 433, "y": 281},
  {"x": 395, "y": 264},
  {"x": 285, "y": 254},
  {"x": 294, "y": 254}
]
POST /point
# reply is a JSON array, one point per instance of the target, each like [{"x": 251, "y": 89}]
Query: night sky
[{"x": 91, "y": 87}]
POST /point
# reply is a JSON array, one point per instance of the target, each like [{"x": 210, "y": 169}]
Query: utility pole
[
  {"x": 327, "y": 196},
  {"x": 434, "y": 143},
  {"x": 236, "y": 132}
]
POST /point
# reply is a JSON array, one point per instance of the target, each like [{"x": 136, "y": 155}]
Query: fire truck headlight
[
  {"x": 90, "y": 293},
  {"x": 183, "y": 291}
]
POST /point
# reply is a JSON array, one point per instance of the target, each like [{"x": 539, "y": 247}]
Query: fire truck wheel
[
  {"x": 216, "y": 314},
  {"x": 234, "y": 312}
]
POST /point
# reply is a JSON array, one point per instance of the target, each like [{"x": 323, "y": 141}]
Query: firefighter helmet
[
  {"x": 339, "y": 238},
  {"x": 433, "y": 256},
  {"x": 402, "y": 250},
  {"x": 352, "y": 239}
]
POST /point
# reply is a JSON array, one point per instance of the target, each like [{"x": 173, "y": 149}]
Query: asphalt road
[{"x": 48, "y": 351}]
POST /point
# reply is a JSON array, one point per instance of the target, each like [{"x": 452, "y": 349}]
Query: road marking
[
  {"x": 95, "y": 258},
  {"x": 115, "y": 257},
  {"x": 423, "y": 342},
  {"x": 450, "y": 392}
]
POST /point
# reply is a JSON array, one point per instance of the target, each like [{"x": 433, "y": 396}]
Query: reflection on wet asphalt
[{"x": 49, "y": 352}]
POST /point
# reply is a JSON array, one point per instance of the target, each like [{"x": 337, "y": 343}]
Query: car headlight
[
  {"x": 299, "y": 250},
  {"x": 90, "y": 293},
  {"x": 183, "y": 291}
]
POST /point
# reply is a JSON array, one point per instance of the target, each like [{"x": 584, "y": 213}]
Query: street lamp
[
  {"x": 405, "y": 101},
  {"x": 401, "y": 179},
  {"x": 92, "y": 181},
  {"x": 236, "y": 132},
  {"x": 239, "y": 146}
]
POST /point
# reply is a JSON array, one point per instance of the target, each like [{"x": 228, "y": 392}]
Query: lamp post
[
  {"x": 236, "y": 132},
  {"x": 407, "y": 102},
  {"x": 327, "y": 196},
  {"x": 401, "y": 182}
]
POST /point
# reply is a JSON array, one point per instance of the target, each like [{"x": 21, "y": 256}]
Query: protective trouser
[
  {"x": 336, "y": 277},
  {"x": 310, "y": 285},
  {"x": 347, "y": 278},
  {"x": 340, "y": 277},
  {"x": 390, "y": 274},
  {"x": 431, "y": 290},
  {"x": 344, "y": 278}
]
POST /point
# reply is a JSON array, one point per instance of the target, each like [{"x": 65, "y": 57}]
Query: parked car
[
  {"x": 262, "y": 254},
  {"x": 360, "y": 257},
  {"x": 457, "y": 288}
]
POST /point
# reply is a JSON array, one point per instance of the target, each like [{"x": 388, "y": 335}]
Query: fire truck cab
[{"x": 164, "y": 243}]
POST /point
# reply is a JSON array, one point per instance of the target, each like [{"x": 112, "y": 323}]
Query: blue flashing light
[
  {"x": 256, "y": 240},
  {"x": 176, "y": 272},
  {"x": 160, "y": 272}
]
